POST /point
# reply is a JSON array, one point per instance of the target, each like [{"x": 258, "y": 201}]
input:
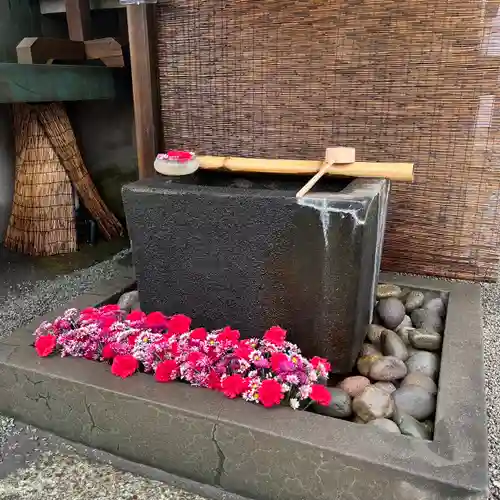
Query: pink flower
[
  {"x": 45, "y": 345},
  {"x": 279, "y": 362},
  {"x": 109, "y": 308},
  {"x": 228, "y": 335},
  {"x": 156, "y": 321},
  {"x": 234, "y": 385},
  {"x": 275, "y": 335},
  {"x": 243, "y": 350},
  {"x": 198, "y": 334},
  {"x": 270, "y": 393},
  {"x": 125, "y": 365},
  {"x": 136, "y": 316},
  {"x": 179, "y": 323},
  {"x": 132, "y": 338},
  {"x": 107, "y": 352},
  {"x": 213, "y": 381},
  {"x": 320, "y": 394},
  {"x": 166, "y": 371},
  {"x": 316, "y": 362}
]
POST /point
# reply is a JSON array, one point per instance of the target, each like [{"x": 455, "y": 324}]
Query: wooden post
[
  {"x": 78, "y": 18},
  {"x": 142, "y": 41}
]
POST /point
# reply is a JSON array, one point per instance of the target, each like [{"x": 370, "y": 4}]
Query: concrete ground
[{"x": 35, "y": 465}]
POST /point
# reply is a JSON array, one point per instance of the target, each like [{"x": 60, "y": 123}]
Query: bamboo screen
[{"x": 406, "y": 80}]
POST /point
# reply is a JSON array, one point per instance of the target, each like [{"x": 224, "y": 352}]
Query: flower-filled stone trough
[{"x": 409, "y": 421}]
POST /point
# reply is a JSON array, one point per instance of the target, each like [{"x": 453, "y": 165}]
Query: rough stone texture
[
  {"x": 233, "y": 252},
  {"x": 247, "y": 449}
]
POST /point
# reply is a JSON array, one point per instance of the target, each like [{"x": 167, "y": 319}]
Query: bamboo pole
[{"x": 392, "y": 171}]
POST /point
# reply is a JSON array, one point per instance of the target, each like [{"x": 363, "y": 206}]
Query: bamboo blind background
[{"x": 412, "y": 80}]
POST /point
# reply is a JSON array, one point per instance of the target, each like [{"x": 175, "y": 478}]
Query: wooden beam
[
  {"x": 142, "y": 40},
  {"x": 45, "y": 50},
  {"x": 108, "y": 50},
  {"x": 54, "y": 82},
  {"x": 59, "y": 7},
  {"x": 78, "y": 18}
]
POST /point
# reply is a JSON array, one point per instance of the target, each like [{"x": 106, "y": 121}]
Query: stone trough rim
[{"x": 459, "y": 471}]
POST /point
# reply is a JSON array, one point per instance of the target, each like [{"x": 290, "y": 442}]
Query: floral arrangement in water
[{"x": 268, "y": 371}]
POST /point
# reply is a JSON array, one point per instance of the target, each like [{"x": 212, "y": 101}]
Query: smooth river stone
[
  {"x": 373, "y": 403},
  {"x": 369, "y": 350},
  {"x": 385, "y": 424},
  {"x": 414, "y": 300},
  {"x": 354, "y": 385},
  {"x": 365, "y": 363},
  {"x": 388, "y": 387},
  {"x": 387, "y": 290},
  {"x": 404, "y": 324},
  {"x": 420, "y": 380},
  {"x": 392, "y": 345},
  {"x": 424, "y": 362},
  {"x": 374, "y": 332},
  {"x": 391, "y": 312},
  {"x": 129, "y": 301},
  {"x": 409, "y": 426},
  {"x": 415, "y": 401},
  {"x": 435, "y": 304},
  {"x": 425, "y": 339},
  {"x": 428, "y": 319},
  {"x": 340, "y": 405},
  {"x": 388, "y": 369},
  {"x": 404, "y": 334}
]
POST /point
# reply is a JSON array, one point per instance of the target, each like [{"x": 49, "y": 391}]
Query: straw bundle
[
  {"x": 57, "y": 127},
  {"x": 411, "y": 80},
  {"x": 42, "y": 218}
]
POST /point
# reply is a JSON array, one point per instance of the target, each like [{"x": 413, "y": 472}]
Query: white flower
[{"x": 294, "y": 403}]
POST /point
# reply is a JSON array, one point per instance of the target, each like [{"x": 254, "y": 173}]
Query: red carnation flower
[
  {"x": 107, "y": 352},
  {"x": 270, "y": 393},
  {"x": 213, "y": 381},
  {"x": 136, "y": 316},
  {"x": 275, "y": 335},
  {"x": 45, "y": 345},
  {"x": 278, "y": 361},
  {"x": 124, "y": 365},
  {"x": 166, "y": 371},
  {"x": 131, "y": 339},
  {"x": 316, "y": 361},
  {"x": 320, "y": 394},
  {"x": 198, "y": 334},
  {"x": 88, "y": 310},
  {"x": 228, "y": 335},
  {"x": 109, "y": 308},
  {"x": 243, "y": 350},
  {"x": 194, "y": 357},
  {"x": 234, "y": 385},
  {"x": 179, "y": 323},
  {"x": 174, "y": 349},
  {"x": 156, "y": 321}
]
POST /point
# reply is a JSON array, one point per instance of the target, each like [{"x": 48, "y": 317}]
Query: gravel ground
[{"x": 35, "y": 465}]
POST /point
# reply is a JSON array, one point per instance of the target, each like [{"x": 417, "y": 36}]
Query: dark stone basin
[{"x": 244, "y": 251}]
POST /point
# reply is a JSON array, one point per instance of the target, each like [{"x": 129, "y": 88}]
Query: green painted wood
[{"x": 46, "y": 83}]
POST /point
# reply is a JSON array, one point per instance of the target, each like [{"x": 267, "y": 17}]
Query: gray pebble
[
  {"x": 415, "y": 401},
  {"x": 409, "y": 426},
  {"x": 354, "y": 385},
  {"x": 373, "y": 333},
  {"x": 129, "y": 301},
  {"x": 414, "y": 300},
  {"x": 425, "y": 339},
  {"x": 420, "y": 380},
  {"x": 365, "y": 363},
  {"x": 428, "y": 319},
  {"x": 385, "y": 290},
  {"x": 392, "y": 345},
  {"x": 436, "y": 305},
  {"x": 373, "y": 403},
  {"x": 385, "y": 424},
  {"x": 404, "y": 334},
  {"x": 404, "y": 324},
  {"x": 387, "y": 369},
  {"x": 388, "y": 387},
  {"x": 369, "y": 350},
  {"x": 424, "y": 362},
  {"x": 391, "y": 312},
  {"x": 340, "y": 405}
]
